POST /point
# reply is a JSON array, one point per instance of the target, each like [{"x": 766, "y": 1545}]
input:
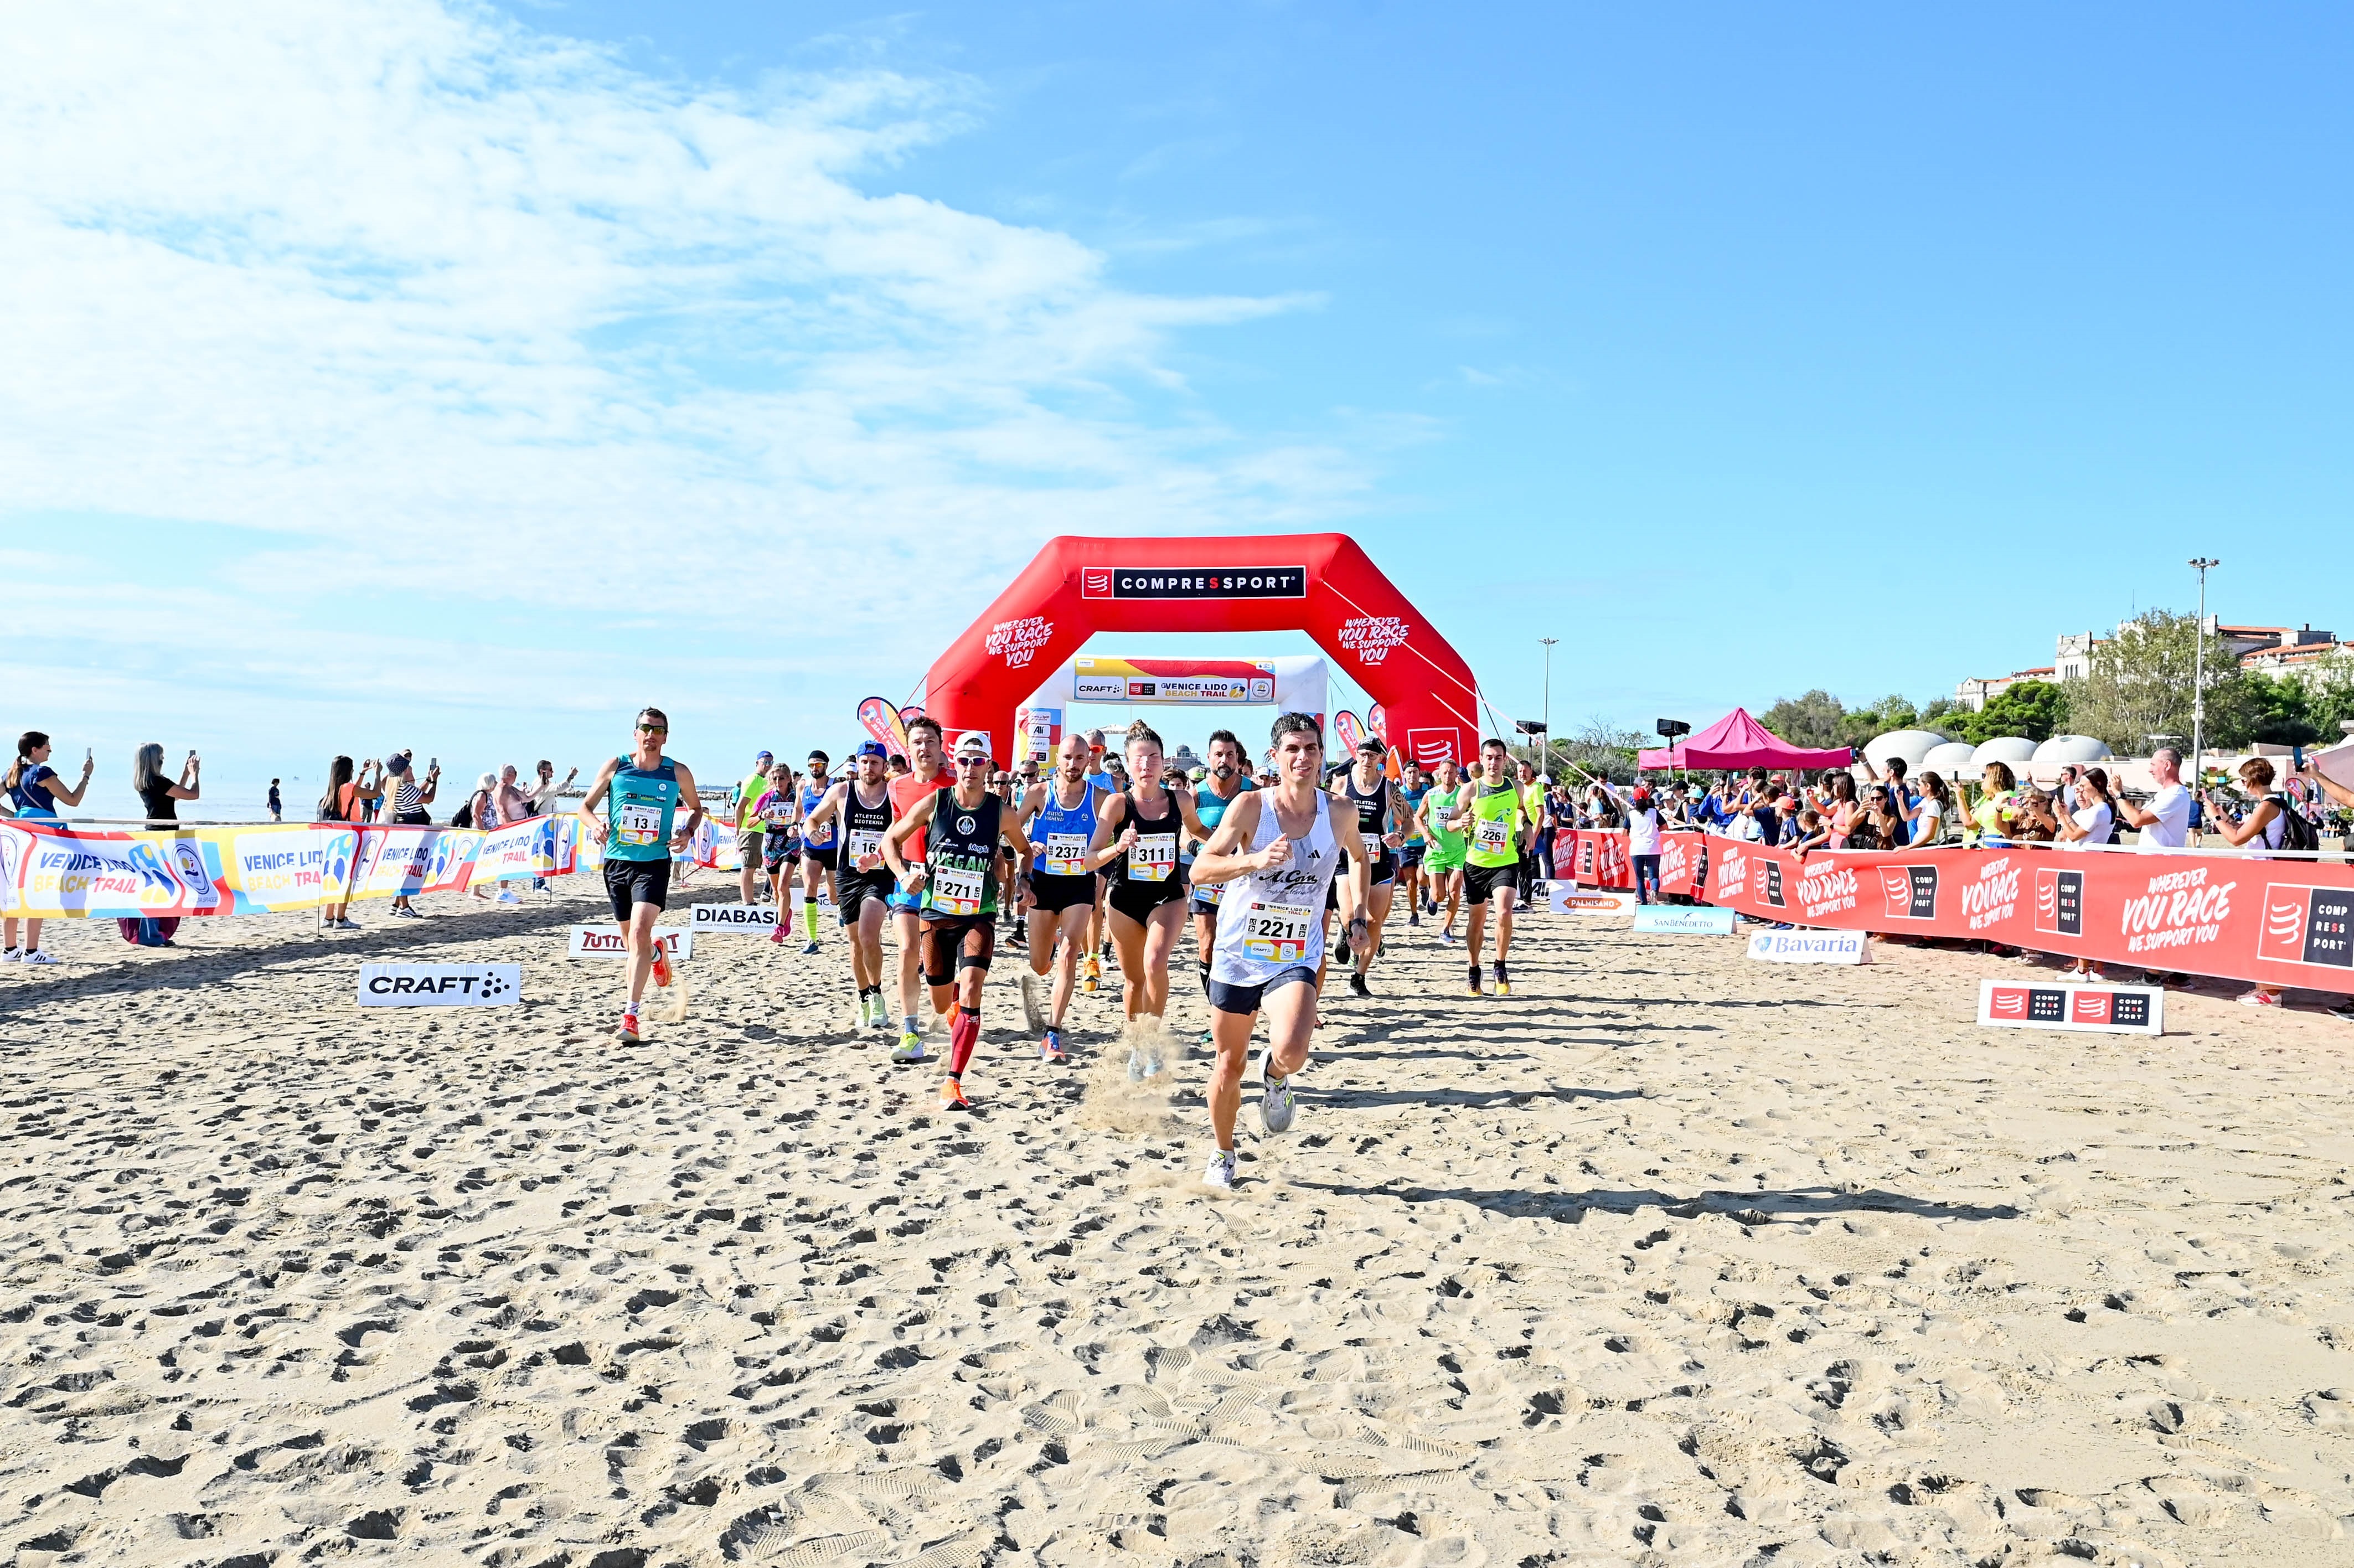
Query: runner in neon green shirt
[
  {"x": 1442, "y": 867},
  {"x": 1492, "y": 813},
  {"x": 750, "y": 830}
]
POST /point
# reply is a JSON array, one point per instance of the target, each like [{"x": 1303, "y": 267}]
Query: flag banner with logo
[
  {"x": 266, "y": 868},
  {"x": 2273, "y": 922}
]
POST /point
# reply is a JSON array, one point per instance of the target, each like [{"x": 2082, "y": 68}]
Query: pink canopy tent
[{"x": 1736, "y": 740}]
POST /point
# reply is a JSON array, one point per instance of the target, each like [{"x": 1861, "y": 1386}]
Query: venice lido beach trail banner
[{"x": 266, "y": 868}]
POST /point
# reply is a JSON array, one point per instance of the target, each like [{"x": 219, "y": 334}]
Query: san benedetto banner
[
  {"x": 265, "y": 869},
  {"x": 2277, "y": 922}
]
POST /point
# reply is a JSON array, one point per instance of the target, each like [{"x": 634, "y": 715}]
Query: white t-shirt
[
  {"x": 2171, "y": 807},
  {"x": 2095, "y": 819},
  {"x": 1642, "y": 830},
  {"x": 1929, "y": 825}
]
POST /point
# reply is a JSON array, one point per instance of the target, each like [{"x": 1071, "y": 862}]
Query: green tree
[
  {"x": 2284, "y": 711},
  {"x": 2035, "y": 709},
  {"x": 1817, "y": 719},
  {"x": 2142, "y": 682}
]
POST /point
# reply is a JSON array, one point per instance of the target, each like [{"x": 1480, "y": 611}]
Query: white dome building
[
  {"x": 1947, "y": 761},
  {"x": 1912, "y": 744},
  {"x": 2062, "y": 749},
  {"x": 2013, "y": 749}
]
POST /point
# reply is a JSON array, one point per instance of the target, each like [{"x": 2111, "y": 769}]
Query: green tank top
[
  {"x": 1497, "y": 819},
  {"x": 1437, "y": 806}
]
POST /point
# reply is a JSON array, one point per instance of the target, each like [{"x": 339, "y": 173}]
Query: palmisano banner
[{"x": 266, "y": 869}]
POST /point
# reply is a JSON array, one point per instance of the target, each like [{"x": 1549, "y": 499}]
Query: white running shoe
[
  {"x": 37, "y": 955},
  {"x": 13, "y": 956},
  {"x": 1135, "y": 1066},
  {"x": 1221, "y": 1173},
  {"x": 1277, "y": 1104}
]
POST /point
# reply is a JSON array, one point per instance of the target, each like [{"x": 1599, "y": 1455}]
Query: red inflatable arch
[{"x": 1321, "y": 584}]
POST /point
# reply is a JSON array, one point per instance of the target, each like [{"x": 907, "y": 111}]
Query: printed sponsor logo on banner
[
  {"x": 1827, "y": 888},
  {"x": 188, "y": 860},
  {"x": 1370, "y": 637},
  {"x": 2307, "y": 925},
  {"x": 2084, "y": 1008},
  {"x": 1262, "y": 690},
  {"x": 2060, "y": 901},
  {"x": 1676, "y": 920},
  {"x": 1019, "y": 640},
  {"x": 1992, "y": 895},
  {"x": 759, "y": 917},
  {"x": 1909, "y": 892},
  {"x": 2178, "y": 909},
  {"x": 1162, "y": 582},
  {"x": 1769, "y": 883},
  {"x": 441, "y": 985},
  {"x": 605, "y": 942},
  {"x": 1671, "y": 857},
  {"x": 1730, "y": 875},
  {"x": 1099, "y": 688},
  {"x": 1568, "y": 899},
  {"x": 1430, "y": 747},
  {"x": 1812, "y": 947}
]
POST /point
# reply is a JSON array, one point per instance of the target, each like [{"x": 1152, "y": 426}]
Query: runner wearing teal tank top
[
  {"x": 1412, "y": 788},
  {"x": 641, "y": 794},
  {"x": 1443, "y": 861}
]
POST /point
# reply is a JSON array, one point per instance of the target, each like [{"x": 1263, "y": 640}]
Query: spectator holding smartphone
[{"x": 159, "y": 796}]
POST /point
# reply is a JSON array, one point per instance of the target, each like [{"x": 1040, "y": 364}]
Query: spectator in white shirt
[
  {"x": 2164, "y": 823},
  {"x": 2092, "y": 815}
]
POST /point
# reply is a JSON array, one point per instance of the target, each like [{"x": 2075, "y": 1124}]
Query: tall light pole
[
  {"x": 1547, "y": 715},
  {"x": 2199, "y": 678}
]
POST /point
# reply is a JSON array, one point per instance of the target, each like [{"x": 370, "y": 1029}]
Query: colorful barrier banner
[
  {"x": 2275, "y": 922},
  {"x": 1595, "y": 857},
  {"x": 265, "y": 869}
]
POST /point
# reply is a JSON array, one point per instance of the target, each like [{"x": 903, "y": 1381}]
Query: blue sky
[{"x": 462, "y": 376}]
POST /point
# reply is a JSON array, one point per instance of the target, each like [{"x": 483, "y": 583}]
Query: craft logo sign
[
  {"x": 1099, "y": 688},
  {"x": 441, "y": 985},
  {"x": 1370, "y": 637},
  {"x": 1019, "y": 640},
  {"x": 760, "y": 919},
  {"x": 605, "y": 942},
  {"x": 2060, "y": 901},
  {"x": 1212, "y": 582},
  {"x": 2305, "y": 925},
  {"x": 2097, "y": 1009}
]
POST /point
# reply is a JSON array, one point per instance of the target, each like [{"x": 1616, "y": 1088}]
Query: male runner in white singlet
[{"x": 1276, "y": 854}]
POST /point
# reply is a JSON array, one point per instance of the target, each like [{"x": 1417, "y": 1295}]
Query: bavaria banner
[
  {"x": 264, "y": 869},
  {"x": 2275, "y": 922}
]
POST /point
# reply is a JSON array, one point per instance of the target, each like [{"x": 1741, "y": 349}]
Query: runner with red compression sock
[{"x": 955, "y": 886}]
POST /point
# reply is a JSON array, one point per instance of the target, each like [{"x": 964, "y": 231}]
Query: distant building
[{"x": 2273, "y": 650}]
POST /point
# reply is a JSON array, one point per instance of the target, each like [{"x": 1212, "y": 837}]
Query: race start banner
[{"x": 266, "y": 868}]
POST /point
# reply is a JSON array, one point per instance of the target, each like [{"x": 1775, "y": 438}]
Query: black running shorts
[
  {"x": 1246, "y": 1000},
  {"x": 632, "y": 881},
  {"x": 853, "y": 889},
  {"x": 1056, "y": 893},
  {"x": 1137, "y": 900},
  {"x": 1480, "y": 881},
  {"x": 955, "y": 943}
]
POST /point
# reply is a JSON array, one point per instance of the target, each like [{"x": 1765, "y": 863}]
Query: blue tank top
[
  {"x": 1412, "y": 799},
  {"x": 1212, "y": 810},
  {"x": 638, "y": 809},
  {"x": 810, "y": 795},
  {"x": 1064, "y": 833}
]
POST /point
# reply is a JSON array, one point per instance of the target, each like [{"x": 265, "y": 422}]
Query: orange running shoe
[
  {"x": 661, "y": 965},
  {"x": 630, "y": 1035},
  {"x": 952, "y": 1097}
]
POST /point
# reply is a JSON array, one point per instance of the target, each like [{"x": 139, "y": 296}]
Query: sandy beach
[{"x": 1672, "y": 1257}]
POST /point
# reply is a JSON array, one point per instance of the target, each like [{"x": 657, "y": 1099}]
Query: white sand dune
[{"x": 1670, "y": 1258}]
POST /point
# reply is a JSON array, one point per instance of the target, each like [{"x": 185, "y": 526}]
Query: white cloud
[{"x": 409, "y": 285}]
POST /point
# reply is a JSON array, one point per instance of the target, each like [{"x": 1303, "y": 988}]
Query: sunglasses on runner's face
[
  {"x": 972, "y": 762},
  {"x": 653, "y": 729}
]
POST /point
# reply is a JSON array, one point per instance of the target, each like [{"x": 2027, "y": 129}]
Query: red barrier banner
[
  {"x": 1682, "y": 857},
  {"x": 2276, "y": 922},
  {"x": 1593, "y": 857}
]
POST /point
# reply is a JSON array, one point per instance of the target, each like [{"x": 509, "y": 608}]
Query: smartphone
[
  {"x": 433, "y": 765},
  {"x": 2296, "y": 760}
]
